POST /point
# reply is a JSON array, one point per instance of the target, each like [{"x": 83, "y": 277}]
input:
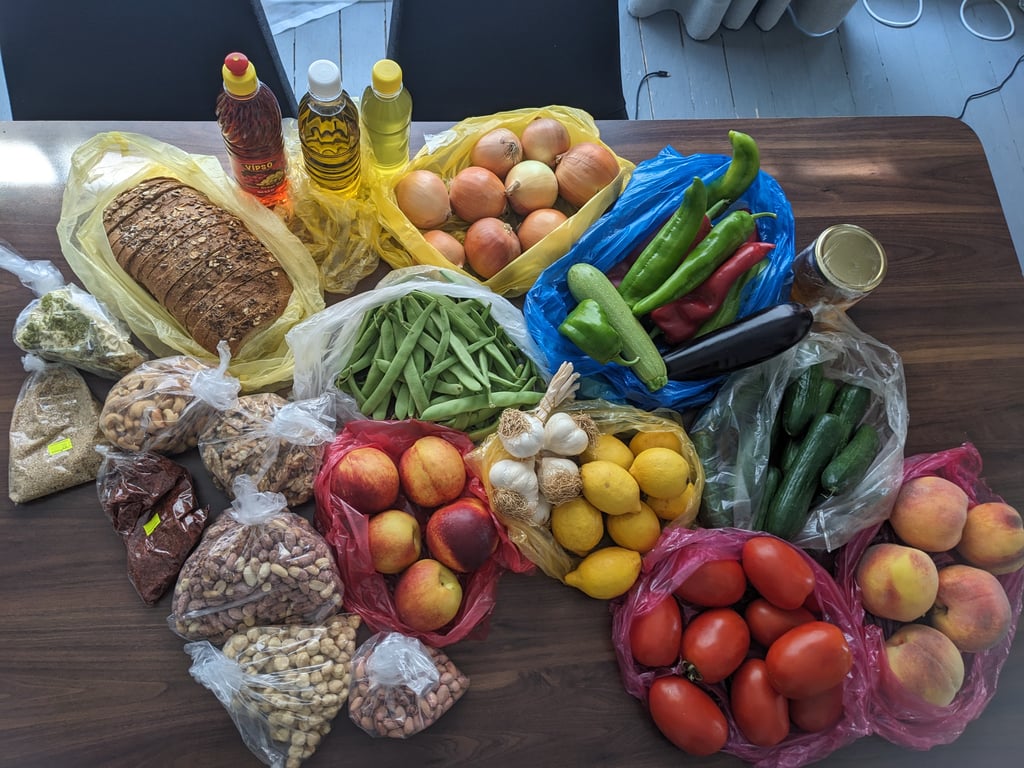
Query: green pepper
[
  {"x": 587, "y": 327},
  {"x": 668, "y": 247},
  {"x": 743, "y": 169},
  {"x": 730, "y": 309}
]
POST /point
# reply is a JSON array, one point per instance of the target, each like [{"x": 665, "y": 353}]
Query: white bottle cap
[{"x": 324, "y": 80}]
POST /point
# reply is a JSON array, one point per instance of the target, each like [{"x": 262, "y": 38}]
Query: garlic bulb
[
  {"x": 514, "y": 475},
  {"x": 563, "y": 436},
  {"x": 559, "y": 480},
  {"x": 520, "y": 433},
  {"x": 509, "y": 504},
  {"x": 541, "y": 512},
  {"x": 585, "y": 422}
]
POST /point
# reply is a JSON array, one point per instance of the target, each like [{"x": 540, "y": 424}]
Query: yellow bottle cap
[
  {"x": 239, "y": 75},
  {"x": 387, "y": 77}
]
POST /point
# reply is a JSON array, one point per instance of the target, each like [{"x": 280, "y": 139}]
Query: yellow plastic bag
[
  {"x": 447, "y": 153},
  {"x": 535, "y": 540},
  {"x": 106, "y": 165}
]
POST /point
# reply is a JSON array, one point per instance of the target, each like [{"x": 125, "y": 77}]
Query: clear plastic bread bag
[{"x": 65, "y": 324}]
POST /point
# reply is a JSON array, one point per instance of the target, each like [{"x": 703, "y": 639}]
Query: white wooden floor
[{"x": 864, "y": 68}]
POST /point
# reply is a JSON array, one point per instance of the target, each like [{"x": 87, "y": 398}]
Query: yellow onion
[
  {"x": 530, "y": 185},
  {"x": 476, "y": 193},
  {"x": 448, "y": 245},
  {"x": 491, "y": 244},
  {"x": 497, "y": 151},
  {"x": 537, "y": 225},
  {"x": 423, "y": 198},
  {"x": 584, "y": 170},
  {"x": 544, "y": 139}
]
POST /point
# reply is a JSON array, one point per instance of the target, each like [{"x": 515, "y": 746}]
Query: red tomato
[
  {"x": 808, "y": 660},
  {"x": 819, "y": 712},
  {"x": 768, "y": 622},
  {"x": 715, "y": 642},
  {"x": 778, "y": 571},
  {"x": 654, "y": 636},
  {"x": 714, "y": 584},
  {"x": 687, "y": 716},
  {"x": 761, "y": 712}
]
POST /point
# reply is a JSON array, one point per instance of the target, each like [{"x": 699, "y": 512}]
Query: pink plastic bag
[
  {"x": 677, "y": 555},
  {"x": 895, "y": 714},
  {"x": 369, "y": 593}
]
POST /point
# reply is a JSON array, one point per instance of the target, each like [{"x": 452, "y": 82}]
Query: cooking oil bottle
[
  {"x": 329, "y": 130},
  {"x": 249, "y": 116},
  {"x": 387, "y": 116}
]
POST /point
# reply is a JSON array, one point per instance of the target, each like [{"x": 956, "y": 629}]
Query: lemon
[
  {"x": 682, "y": 508},
  {"x": 655, "y": 439},
  {"x": 577, "y": 525},
  {"x": 609, "y": 487},
  {"x": 660, "y": 472},
  {"x": 638, "y": 531},
  {"x": 606, "y": 573},
  {"x": 609, "y": 448}
]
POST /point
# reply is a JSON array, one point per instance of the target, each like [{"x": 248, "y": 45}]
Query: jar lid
[
  {"x": 387, "y": 77},
  {"x": 239, "y": 75},
  {"x": 324, "y": 78},
  {"x": 850, "y": 258}
]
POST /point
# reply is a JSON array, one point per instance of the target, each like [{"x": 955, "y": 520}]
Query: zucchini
[
  {"x": 800, "y": 400},
  {"x": 788, "y": 510},
  {"x": 586, "y": 281},
  {"x": 748, "y": 341},
  {"x": 850, "y": 405},
  {"x": 850, "y": 465}
]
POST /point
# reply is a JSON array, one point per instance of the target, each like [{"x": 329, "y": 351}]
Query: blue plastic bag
[{"x": 652, "y": 195}]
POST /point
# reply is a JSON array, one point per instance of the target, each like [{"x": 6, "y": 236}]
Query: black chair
[
  {"x": 131, "y": 59},
  {"x": 465, "y": 58}
]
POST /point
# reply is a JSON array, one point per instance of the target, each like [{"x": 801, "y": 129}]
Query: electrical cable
[
  {"x": 976, "y": 33},
  {"x": 647, "y": 76},
  {"x": 990, "y": 91},
  {"x": 892, "y": 23}
]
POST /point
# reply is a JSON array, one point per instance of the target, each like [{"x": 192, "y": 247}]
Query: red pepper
[{"x": 679, "y": 320}]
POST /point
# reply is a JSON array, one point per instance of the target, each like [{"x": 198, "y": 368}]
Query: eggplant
[{"x": 747, "y": 341}]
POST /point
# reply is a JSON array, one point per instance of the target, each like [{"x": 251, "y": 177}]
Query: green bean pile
[{"x": 438, "y": 359}]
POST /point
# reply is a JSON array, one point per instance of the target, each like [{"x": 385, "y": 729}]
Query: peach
[
  {"x": 929, "y": 513},
  {"x": 926, "y": 663},
  {"x": 993, "y": 538},
  {"x": 462, "y": 534},
  {"x": 896, "y": 581},
  {"x": 432, "y": 471},
  {"x": 395, "y": 540},
  {"x": 366, "y": 478},
  {"x": 428, "y": 595},
  {"x": 971, "y": 608}
]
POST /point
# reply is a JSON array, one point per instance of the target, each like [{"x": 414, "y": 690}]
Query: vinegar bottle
[
  {"x": 387, "y": 116},
  {"x": 250, "y": 122},
  {"x": 329, "y": 130}
]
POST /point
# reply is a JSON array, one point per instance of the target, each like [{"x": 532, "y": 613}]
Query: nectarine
[
  {"x": 428, "y": 595},
  {"x": 366, "y": 478},
  {"x": 432, "y": 471},
  {"x": 462, "y": 534},
  {"x": 394, "y": 539}
]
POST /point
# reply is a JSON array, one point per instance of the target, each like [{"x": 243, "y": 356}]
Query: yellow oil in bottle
[
  {"x": 329, "y": 130},
  {"x": 387, "y": 116}
]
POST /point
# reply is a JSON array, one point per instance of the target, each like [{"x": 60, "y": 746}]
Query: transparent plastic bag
[
  {"x": 401, "y": 686},
  {"x": 282, "y": 686},
  {"x": 65, "y": 324},
  {"x": 677, "y": 555},
  {"x": 733, "y": 433}
]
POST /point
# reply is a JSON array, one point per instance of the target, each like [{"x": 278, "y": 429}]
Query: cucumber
[
  {"x": 826, "y": 392},
  {"x": 800, "y": 400},
  {"x": 789, "y": 508},
  {"x": 852, "y": 462},
  {"x": 790, "y": 450},
  {"x": 772, "y": 478},
  {"x": 850, "y": 404}
]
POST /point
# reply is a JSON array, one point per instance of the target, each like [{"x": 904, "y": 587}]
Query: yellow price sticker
[
  {"x": 151, "y": 524},
  {"x": 59, "y": 446}
]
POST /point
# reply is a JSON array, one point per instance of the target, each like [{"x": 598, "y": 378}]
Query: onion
[
  {"x": 531, "y": 185},
  {"x": 537, "y": 225},
  {"x": 497, "y": 151},
  {"x": 476, "y": 193},
  {"x": 490, "y": 246},
  {"x": 448, "y": 245},
  {"x": 423, "y": 198},
  {"x": 585, "y": 170},
  {"x": 544, "y": 139}
]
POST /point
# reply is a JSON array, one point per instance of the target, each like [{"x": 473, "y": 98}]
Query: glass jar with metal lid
[{"x": 842, "y": 266}]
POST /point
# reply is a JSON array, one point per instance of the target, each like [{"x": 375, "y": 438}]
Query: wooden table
[{"x": 91, "y": 677}]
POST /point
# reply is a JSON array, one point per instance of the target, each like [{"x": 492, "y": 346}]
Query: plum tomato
[
  {"x": 777, "y": 571},
  {"x": 687, "y": 716},
  {"x": 715, "y": 642},
  {"x": 714, "y": 584},
  {"x": 761, "y": 712},
  {"x": 654, "y": 636},
  {"x": 819, "y": 712},
  {"x": 768, "y": 622},
  {"x": 808, "y": 660}
]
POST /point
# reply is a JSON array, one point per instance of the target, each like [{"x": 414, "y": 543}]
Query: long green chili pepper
[
  {"x": 741, "y": 172},
  {"x": 668, "y": 247},
  {"x": 730, "y": 309}
]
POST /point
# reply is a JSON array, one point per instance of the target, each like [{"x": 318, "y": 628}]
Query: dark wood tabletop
[{"x": 90, "y": 676}]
